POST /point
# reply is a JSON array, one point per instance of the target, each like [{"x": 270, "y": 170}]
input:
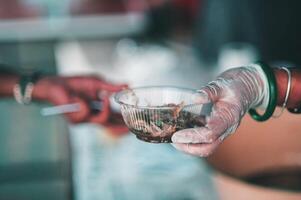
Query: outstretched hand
[
  {"x": 81, "y": 90},
  {"x": 232, "y": 94}
]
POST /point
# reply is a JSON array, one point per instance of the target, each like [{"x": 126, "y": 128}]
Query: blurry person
[{"x": 59, "y": 90}]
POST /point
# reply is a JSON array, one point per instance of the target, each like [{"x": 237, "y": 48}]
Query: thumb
[
  {"x": 220, "y": 124},
  {"x": 100, "y": 85},
  {"x": 82, "y": 114},
  {"x": 202, "y": 150},
  {"x": 103, "y": 116},
  {"x": 194, "y": 136}
]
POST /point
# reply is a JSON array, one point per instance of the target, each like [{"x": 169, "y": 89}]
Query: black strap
[{"x": 294, "y": 110}]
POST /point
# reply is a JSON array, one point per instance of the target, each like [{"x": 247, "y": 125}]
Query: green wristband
[{"x": 273, "y": 93}]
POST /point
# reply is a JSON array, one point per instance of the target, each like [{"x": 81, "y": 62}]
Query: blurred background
[{"x": 183, "y": 43}]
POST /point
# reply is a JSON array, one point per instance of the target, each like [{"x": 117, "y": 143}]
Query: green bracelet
[{"x": 272, "y": 95}]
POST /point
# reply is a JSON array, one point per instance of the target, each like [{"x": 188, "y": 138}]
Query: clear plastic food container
[{"x": 154, "y": 114}]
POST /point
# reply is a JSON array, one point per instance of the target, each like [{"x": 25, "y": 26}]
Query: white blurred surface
[
  {"x": 125, "y": 61},
  {"x": 129, "y": 169},
  {"x": 65, "y": 27}
]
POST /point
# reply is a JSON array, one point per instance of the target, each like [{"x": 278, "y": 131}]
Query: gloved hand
[{"x": 233, "y": 93}]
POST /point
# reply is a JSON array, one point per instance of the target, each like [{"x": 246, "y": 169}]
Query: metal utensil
[{"x": 95, "y": 106}]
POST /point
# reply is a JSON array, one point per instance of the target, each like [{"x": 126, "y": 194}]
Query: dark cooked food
[{"x": 162, "y": 126}]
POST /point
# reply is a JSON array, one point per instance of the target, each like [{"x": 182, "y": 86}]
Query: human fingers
[
  {"x": 202, "y": 150},
  {"x": 103, "y": 116},
  {"x": 110, "y": 87},
  {"x": 116, "y": 124},
  {"x": 82, "y": 113},
  {"x": 91, "y": 85},
  {"x": 217, "y": 124}
]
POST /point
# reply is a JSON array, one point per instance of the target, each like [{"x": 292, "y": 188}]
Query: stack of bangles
[{"x": 273, "y": 94}]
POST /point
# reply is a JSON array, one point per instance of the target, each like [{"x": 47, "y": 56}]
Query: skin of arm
[
  {"x": 294, "y": 100},
  {"x": 59, "y": 90},
  {"x": 7, "y": 83}
]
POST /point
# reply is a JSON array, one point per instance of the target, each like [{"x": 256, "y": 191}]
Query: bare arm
[
  {"x": 65, "y": 90},
  {"x": 7, "y": 83},
  {"x": 294, "y": 100}
]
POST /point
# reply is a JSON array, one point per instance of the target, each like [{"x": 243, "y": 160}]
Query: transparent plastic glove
[{"x": 233, "y": 93}]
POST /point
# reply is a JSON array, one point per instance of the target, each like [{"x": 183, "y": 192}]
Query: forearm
[
  {"x": 294, "y": 100},
  {"x": 9, "y": 80},
  {"x": 7, "y": 83}
]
